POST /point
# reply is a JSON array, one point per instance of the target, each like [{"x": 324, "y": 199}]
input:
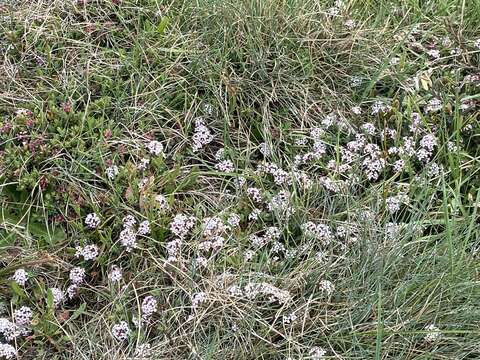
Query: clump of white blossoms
[
  {"x": 254, "y": 214},
  {"x": 394, "y": 203},
  {"x": 182, "y": 224},
  {"x": 212, "y": 226},
  {"x": 8, "y": 329},
  {"x": 144, "y": 228},
  {"x": 77, "y": 275},
  {"x": 7, "y": 351},
  {"x": 280, "y": 204},
  {"x": 198, "y": 299},
  {"x": 115, "y": 274},
  {"x": 143, "y": 352},
  {"x": 233, "y": 220},
  {"x": 149, "y": 307},
  {"x": 162, "y": 202},
  {"x": 255, "y": 194},
  {"x": 155, "y": 147},
  {"x": 319, "y": 232},
  {"x": 317, "y": 353},
  {"x": 92, "y": 220},
  {"x": 121, "y": 331},
  {"x": 88, "y": 252},
  {"x": 112, "y": 171},
  {"x": 273, "y": 293},
  {"x": 20, "y": 277},
  {"x": 128, "y": 236},
  {"x": 327, "y": 286},
  {"x": 380, "y": 107},
  {"x": 434, "y": 105},
  {"x": 23, "y": 316},
  {"x": 287, "y": 319},
  {"x": 58, "y": 296},
  {"x": 225, "y": 166},
  {"x": 433, "y": 333},
  {"x": 202, "y": 135}
]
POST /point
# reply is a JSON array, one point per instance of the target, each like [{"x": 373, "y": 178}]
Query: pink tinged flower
[
  {"x": 92, "y": 220},
  {"x": 121, "y": 331},
  {"x": 155, "y": 147},
  {"x": 20, "y": 277}
]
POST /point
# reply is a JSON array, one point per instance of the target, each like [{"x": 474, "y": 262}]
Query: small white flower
[
  {"x": 225, "y": 166},
  {"x": 115, "y": 274},
  {"x": 20, "y": 277},
  {"x": 121, "y": 331},
  {"x": 476, "y": 43},
  {"x": 144, "y": 228},
  {"x": 433, "y": 333},
  {"x": 88, "y": 252},
  {"x": 233, "y": 220},
  {"x": 77, "y": 275},
  {"x": 155, "y": 147},
  {"x": 23, "y": 316},
  {"x": 112, "y": 171},
  {"x": 434, "y": 54},
  {"x": 149, "y": 306},
  {"x": 350, "y": 24},
  {"x": 162, "y": 202},
  {"x": 202, "y": 135},
  {"x": 92, "y": 220},
  {"x": 198, "y": 298},
  {"x": 58, "y": 296},
  {"x": 7, "y": 351},
  {"x": 317, "y": 353},
  {"x": 327, "y": 286}
]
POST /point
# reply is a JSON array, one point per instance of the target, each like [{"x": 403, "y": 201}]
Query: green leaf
[
  {"x": 17, "y": 290},
  {"x": 163, "y": 24},
  {"x": 79, "y": 311}
]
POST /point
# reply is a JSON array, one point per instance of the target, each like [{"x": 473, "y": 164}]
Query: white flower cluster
[
  {"x": 58, "y": 296},
  {"x": 8, "y": 329},
  {"x": 149, "y": 307},
  {"x": 112, "y": 171},
  {"x": 155, "y": 147},
  {"x": 373, "y": 163},
  {"x": 233, "y": 220},
  {"x": 394, "y": 203},
  {"x": 327, "y": 286},
  {"x": 202, "y": 135},
  {"x": 198, "y": 299},
  {"x": 23, "y": 316},
  {"x": 77, "y": 275},
  {"x": 273, "y": 293},
  {"x": 280, "y": 176},
  {"x": 255, "y": 194},
  {"x": 225, "y": 166},
  {"x": 162, "y": 202},
  {"x": 317, "y": 353},
  {"x": 115, "y": 274},
  {"x": 433, "y": 333},
  {"x": 121, "y": 331},
  {"x": 380, "y": 107},
  {"x": 88, "y": 252},
  {"x": 434, "y": 105},
  {"x": 427, "y": 143},
  {"x": 288, "y": 319},
  {"x": 128, "y": 236},
  {"x": 319, "y": 232},
  {"x": 272, "y": 233},
  {"x": 92, "y": 220},
  {"x": 20, "y": 277},
  {"x": 280, "y": 204},
  {"x": 7, "y": 351},
  {"x": 182, "y": 224}
]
